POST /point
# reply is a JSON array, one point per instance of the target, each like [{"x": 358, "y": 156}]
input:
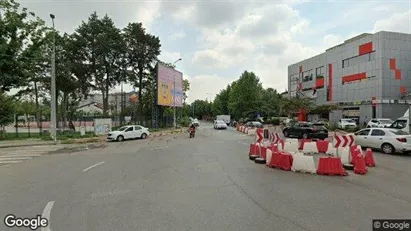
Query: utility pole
[
  {"x": 174, "y": 97},
  {"x": 53, "y": 119}
]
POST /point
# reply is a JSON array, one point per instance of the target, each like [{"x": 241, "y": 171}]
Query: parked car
[
  {"x": 388, "y": 140},
  {"x": 346, "y": 123},
  {"x": 128, "y": 132},
  {"x": 379, "y": 123},
  {"x": 220, "y": 124},
  {"x": 254, "y": 124},
  {"x": 306, "y": 130}
]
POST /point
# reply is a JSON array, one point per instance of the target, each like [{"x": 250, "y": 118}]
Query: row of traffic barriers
[
  {"x": 246, "y": 130},
  {"x": 320, "y": 157}
]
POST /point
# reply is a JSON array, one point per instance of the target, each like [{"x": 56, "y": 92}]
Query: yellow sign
[{"x": 164, "y": 93}]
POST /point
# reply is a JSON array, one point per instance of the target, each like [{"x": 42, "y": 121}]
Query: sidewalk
[{"x": 23, "y": 143}]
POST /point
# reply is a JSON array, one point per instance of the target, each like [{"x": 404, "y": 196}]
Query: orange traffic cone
[{"x": 369, "y": 158}]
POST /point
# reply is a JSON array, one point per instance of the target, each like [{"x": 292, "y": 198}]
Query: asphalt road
[{"x": 205, "y": 183}]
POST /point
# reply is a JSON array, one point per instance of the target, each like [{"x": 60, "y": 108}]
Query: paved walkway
[{"x": 20, "y": 143}]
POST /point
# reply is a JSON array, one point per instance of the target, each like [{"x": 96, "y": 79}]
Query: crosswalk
[{"x": 20, "y": 154}]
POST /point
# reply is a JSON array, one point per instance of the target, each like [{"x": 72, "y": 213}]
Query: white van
[{"x": 402, "y": 123}]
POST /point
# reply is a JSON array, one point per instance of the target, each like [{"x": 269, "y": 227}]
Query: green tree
[
  {"x": 7, "y": 109},
  {"x": 142, "y": 50},
  {"x": 98, "y": 46},
  {"x": 221, "y": 101},
  {"x": 245, "y": 95},
  {"x": 186, "y": 88},
  {"x": 20, "y": 32}
]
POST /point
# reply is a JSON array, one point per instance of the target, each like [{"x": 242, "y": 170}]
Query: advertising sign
[{"x": 169, "y": 86}]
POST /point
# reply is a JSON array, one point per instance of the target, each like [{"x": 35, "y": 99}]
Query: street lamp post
[
  {"x": 53, "y": 118},
  {"x": 174, "y": 98}
]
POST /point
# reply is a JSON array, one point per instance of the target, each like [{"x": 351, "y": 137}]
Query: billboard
[{"x": 167, "y": 94}]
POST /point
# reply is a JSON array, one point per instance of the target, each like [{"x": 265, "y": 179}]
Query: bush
[
  {"x": 332, "y": 126},
  {"x": 185, "y": 122},
  {"x": 275, "y": 121}
]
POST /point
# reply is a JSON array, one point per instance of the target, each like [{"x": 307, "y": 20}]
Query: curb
[
  {"x": 166, "y": 133},
  {"x": 27, "y": 145}
]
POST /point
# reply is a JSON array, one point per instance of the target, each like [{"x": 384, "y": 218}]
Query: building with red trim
[{"x": 368, "y": 75}]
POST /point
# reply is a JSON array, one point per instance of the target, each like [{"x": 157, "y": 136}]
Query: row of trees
[
  {"x": 96, "y": 57},
  {"x": 245, "y": 98}
]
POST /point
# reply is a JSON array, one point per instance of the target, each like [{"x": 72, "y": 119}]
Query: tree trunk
[
  {"x": 105, "y": 95},
  {"x": 140, "y": 88},
  {"x": 64, "y": 109},
  {"x": 36, "y": 96}
]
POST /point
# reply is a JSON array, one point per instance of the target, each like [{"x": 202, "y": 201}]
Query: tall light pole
[
  {"x": 174, "y": 97},
  {"x": 53, "y": 118}
]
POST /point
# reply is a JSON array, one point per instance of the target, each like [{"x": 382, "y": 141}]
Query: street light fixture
[
  {"x": 53, "y": 118},
  {"x": 174, "y": 98}
]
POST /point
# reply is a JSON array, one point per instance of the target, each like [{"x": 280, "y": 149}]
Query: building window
[
  {"x": 345, "y": 63},
  {"x": 319, "y": 72},
  {"x": 308, "y": 76},
  {"x": 358, "y": 59}
]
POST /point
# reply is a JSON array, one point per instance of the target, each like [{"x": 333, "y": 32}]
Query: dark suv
[{"x": 306, "y": 130}]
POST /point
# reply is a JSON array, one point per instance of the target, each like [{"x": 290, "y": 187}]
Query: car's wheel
[
  {"x": 143, "y": 136},
  {"x": 387, "y": 148},
  {"x": 120, "y": 138},
  {"x": 305, "y": 136},
  {"x": 368, "y": 126},
  {"x": 285, "y": 133}
]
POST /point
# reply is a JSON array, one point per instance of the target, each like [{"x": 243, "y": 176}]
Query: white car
[
  {"x": 379, "y": 123},
  {"x": 220, "y": 124},
  {"x": 388, "y": 140},
  {"x": 346, "y": 123},
  {"x": 128, "y": 132}
]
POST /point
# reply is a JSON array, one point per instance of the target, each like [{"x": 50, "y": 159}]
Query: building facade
[{"x": 369, "y": 76}]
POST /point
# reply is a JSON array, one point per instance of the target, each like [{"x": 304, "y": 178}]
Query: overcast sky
[{"x": 218, "y": 40}]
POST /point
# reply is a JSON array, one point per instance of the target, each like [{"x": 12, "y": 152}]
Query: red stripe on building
[
  {"x": 319, "y": 83},
  {"x": 330, "y": 82},
  {"x": 373, "y": 101},
  {"x": 393, "y": 64},
  {"x": 365, "y": 48},
  {"x": 354, "y": 77},
  {"x": 398, "y": 74}
]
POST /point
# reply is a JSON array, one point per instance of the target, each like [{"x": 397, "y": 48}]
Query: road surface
[{"x": 205, "y": 183}]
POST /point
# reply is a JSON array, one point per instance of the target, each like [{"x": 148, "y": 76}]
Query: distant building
[{"x": 94, "y": 102}]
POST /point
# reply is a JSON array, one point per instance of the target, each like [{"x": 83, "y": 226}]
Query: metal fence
[{"x": 30, "y": 128}]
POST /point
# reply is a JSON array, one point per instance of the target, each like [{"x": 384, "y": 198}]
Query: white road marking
[
  {"x": 21, "y": 155},
  {"x": 46, "y": 214},
  {"x": 16, "y": 158},
  {"x": 10, "y": 161},
  {"x": 161, "y": 147},
  {"x": 92, "y": 166}
]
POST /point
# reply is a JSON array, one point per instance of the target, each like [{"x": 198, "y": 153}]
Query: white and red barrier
[{"x": 343, "y": 141}]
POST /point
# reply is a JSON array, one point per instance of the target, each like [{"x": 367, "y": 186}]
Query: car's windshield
[
  {"x": 399, "y": 132},
  {"x": 122, "y": 128},
  {"x": 318, "y": 125},
  {"x": 348, "y": 120}
]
